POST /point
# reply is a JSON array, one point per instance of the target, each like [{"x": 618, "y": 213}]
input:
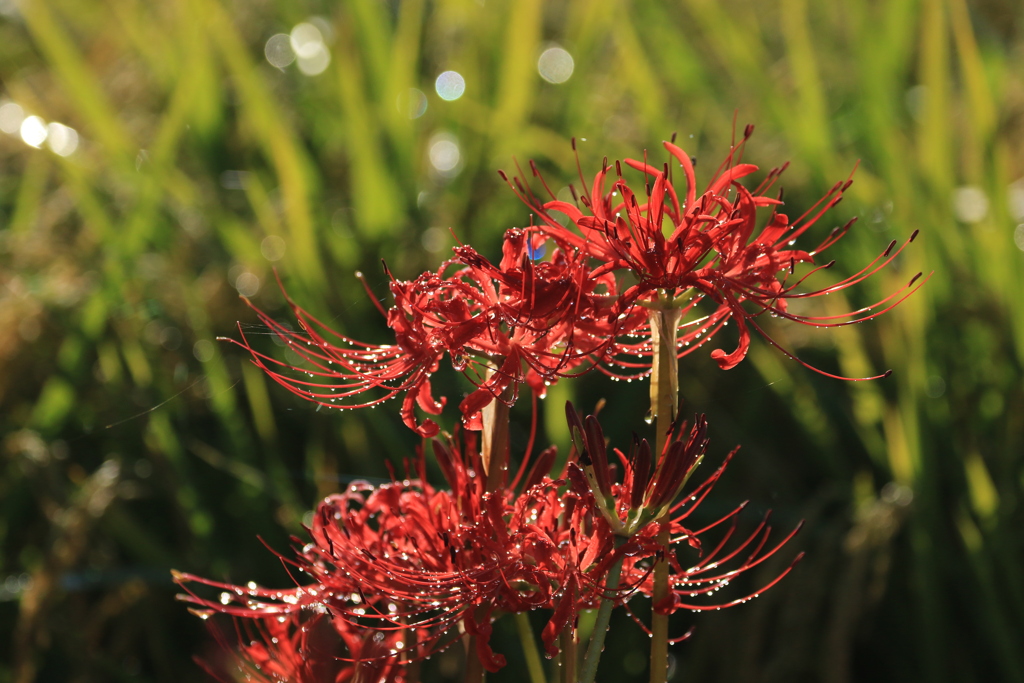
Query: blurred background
[{"x": 157, "y": 160}]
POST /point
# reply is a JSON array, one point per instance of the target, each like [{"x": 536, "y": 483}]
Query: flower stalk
[
  {"x": 474, "y": 671},
  {"x": 567, "y": 645},
  {"x": 664, "y": 322},
  {"x": 530, "y": 651},
  {"x": 494, "y": 450},
  {"x": 604, "y": 614}
]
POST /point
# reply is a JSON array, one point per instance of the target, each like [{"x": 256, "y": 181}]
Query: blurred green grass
[{"x": 131, "y": 443}]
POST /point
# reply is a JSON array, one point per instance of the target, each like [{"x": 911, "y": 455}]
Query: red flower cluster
[
  {"x": 535, "y": 320},
  {"x": 521, "y": 321},
  {"x": 306, "y": 647},
  {"x": 682, "y": 249},
  {"x": 631, "y": 508},
  {"x": 396, "y": 572},
  {"x": 408, "y": 562},
  {"x": 408, "y": 557}
]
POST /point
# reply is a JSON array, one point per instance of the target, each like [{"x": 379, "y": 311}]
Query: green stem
[
  {"x": 530, "y": 651},
  {"x": 495, "y": 439},
  {"x": 659, "y": 622},
  {"x": 604, "y": 615},
  {"x": 567, "y": 644},
  {"x": 664, "y": 404},
  {"x": 664, "y": 369}
]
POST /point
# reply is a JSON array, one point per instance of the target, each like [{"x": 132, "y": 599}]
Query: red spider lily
[
  {"x": 412, "y": 562},
  {"x": 521, "y": 321},
  {"x": 408, "y": 558},
  {"x": 307, "y": 647},
  {"x": 649, "y": 494},
  {"x": 685, "y": 248},
  {"x": 630, "y": 509}
]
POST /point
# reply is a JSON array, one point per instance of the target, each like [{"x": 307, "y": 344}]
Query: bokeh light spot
[
  {"x": 11, "y": 116},
  {"x": 970, "y": 204},
  {"x": 412, "y": 103},
  {"x": 33, "y": 131},
  {"x": 62, "y": 139},
  {"x": 307, "y": 42},
  {"x": 247, "y": 284},
  {"x": 203, "y": 350},
  {"x": 317, "y": 64},
  {"x": 445, "y": 154},
  {"x": 555, "y": 65},
  {"x": 273, "y": 248},
  {"x": 278, "y": 50},
  {"x": 435, "y": 240},
  {"x": 1014, "y": 197},
  {"x": 450, "y": 85}
]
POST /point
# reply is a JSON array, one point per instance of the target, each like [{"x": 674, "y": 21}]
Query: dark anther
[{"x": 330, "y": 545}]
